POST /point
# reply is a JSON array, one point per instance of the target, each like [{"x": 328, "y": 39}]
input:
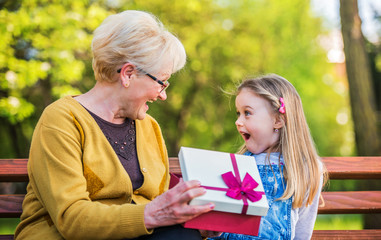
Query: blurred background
[{"x": 330, "y": 50}]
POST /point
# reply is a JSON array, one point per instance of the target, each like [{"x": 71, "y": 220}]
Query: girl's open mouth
[{"x": 246, "y": 136}]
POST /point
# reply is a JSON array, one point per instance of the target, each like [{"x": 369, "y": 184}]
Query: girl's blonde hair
[
  {"x": 303, "y": 167},
  {"x": 137, "y": 37}
]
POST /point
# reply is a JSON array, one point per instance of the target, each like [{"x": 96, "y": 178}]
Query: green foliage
[
  {"x": 45, "y": 41},
  {"x": 8, "y": 225},
  {"x": 14, "y": 109},
  {"x": 339, "y": 222},
  {"x": 227, "y": 41},
  {"x": 45, "y": 54}
]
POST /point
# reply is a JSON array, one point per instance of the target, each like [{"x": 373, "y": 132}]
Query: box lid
[{"x": 208, "y": 166}]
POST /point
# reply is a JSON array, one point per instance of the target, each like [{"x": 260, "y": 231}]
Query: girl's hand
[
  {"x": 172, "y": 207},
  {"x": 210, "y": 234}
]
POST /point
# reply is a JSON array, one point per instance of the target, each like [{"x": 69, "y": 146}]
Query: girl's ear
[
  {"x": 126, "y": 73},
  {"x": 278, "y": 121}
]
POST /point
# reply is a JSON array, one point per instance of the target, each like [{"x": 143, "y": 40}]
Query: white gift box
[{"x": 208, "y": 166}]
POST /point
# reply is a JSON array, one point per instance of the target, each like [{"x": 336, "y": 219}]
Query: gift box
[{"x": 232, "y": 183}]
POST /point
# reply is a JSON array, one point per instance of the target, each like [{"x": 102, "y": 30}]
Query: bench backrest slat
[
  {"x": 11, "y": 205},
  {"x": 15, "y": 170},
  {"x": 353, "y": 167},
  {"x": 350, "y": 202}
]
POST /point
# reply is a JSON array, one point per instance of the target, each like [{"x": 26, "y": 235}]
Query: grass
[
  {"x": 323, "y": 222},
  {"x": 8, "y": 225},
  {"x": 339, "y": 222}
]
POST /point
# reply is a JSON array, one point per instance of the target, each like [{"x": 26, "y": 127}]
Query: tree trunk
[
  {"x": 360, "y": 81},
  {"x": 362, "y": 95}
]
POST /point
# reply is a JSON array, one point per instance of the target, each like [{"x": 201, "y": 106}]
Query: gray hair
[{"x": 137, "y": 37}]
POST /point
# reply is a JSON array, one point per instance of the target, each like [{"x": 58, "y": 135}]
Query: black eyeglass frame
[{"x": 164, "y": 85}]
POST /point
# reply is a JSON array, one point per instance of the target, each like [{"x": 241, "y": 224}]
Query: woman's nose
[{"x": 163, "y": 95}]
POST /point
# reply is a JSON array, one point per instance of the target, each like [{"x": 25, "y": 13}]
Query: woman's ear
[{"x": 126, "y": 73}]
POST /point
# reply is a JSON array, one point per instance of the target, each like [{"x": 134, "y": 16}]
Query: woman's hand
[{"x": 172, "y": 206}]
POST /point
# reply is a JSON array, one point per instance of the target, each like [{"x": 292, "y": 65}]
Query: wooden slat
[
  {"x": 13, "y": 170},
  {"x": 11, "y": 205},
  {"x": 6, "y": 237},
  {"x": 334, "y": 203},
  {"x": 353, "y": 167},
  {"x": 174, "y": 165},
  {"x": 350, "y": 202},
  {"x": 346, "y": 234}
]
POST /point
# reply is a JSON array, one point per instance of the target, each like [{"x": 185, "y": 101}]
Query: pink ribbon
[{"x": 239, "y": 190}]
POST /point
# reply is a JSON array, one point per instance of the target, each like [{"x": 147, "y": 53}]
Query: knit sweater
[{"x": 78, "y": 189}]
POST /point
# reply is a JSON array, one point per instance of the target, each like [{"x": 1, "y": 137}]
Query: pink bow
[
  {"x": 282, "y": 108},
  {"x": 239, "y": 190}
]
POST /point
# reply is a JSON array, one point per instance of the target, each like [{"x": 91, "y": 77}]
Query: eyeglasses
[{"x": 164, "y": 85}]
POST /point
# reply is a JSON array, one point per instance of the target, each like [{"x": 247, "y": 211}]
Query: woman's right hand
[{"x": 172, "y": 206}]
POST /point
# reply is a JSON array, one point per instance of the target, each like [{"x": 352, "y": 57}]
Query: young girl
[{"x": 271, "y": 121}]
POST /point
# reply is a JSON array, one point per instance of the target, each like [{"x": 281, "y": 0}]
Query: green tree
[
  {"x": 230, "y": 40},
  {"x": 46, "y": 54},
  {"x": 43, "y": 56}
]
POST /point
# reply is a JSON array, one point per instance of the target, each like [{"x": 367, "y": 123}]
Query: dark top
[{"x": 122, "y": 138}]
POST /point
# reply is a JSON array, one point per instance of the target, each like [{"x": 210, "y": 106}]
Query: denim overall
[{"x": 277, "y": 223}]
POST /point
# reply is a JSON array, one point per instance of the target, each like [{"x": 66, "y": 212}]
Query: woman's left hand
[
  {"x": 172, "y": 207},
  {"x": 209, "y": 234}
]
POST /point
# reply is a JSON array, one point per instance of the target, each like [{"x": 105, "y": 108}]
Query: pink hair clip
[{"x": 282, "y": 108}]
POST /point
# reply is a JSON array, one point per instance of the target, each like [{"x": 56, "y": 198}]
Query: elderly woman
[{"x": 98, "y": 164}]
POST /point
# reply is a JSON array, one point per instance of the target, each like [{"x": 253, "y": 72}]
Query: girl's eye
[
  {"x": 238, "y": 114},
  {"x": 247, "y": 113}
]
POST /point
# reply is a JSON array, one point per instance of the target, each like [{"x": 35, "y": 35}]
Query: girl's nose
[{"x": 238, "y": 122}]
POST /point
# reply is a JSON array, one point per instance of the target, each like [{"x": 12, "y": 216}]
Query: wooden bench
[{"x": 338, "y": 202}]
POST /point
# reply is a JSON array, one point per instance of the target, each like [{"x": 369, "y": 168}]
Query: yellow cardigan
[{"x": 78, "y": 189}]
